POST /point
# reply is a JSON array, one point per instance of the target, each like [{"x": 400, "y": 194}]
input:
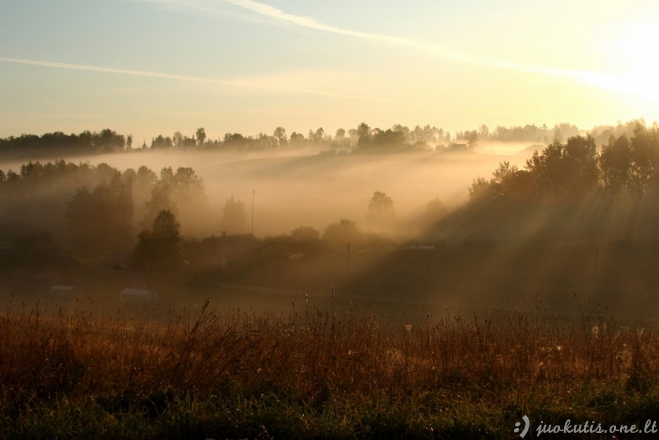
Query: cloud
[
  {"x": 258, "y": 83},
  {"x": 114, "y": 70},
  {"x": 589, "y": 77}
]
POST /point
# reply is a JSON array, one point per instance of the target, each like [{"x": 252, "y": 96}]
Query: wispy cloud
[
  {"x": 589, "y": 77},
  {"x": 114, "y": 70},
  {"x": 592, "y": 78},
  {"x": 256, "y": 83}
]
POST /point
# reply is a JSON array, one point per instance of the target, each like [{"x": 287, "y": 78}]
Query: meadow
[{"x": 199, "y": 372}]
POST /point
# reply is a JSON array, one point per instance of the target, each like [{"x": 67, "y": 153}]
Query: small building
[
  {"x": 138, "y": 296},
  {"x": 63, "y": 292}
]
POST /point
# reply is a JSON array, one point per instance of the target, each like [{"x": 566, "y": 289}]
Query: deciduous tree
[
  {"x": 381, "y": 208},
  {"x": 100, "y": 220},
  {"x": 159, "y": 249},
  {"x": 234, "y": 218},
  {"x": 201, "y": 136}
]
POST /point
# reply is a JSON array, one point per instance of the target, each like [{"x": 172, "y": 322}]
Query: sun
[{"x": 640, "y": 74}]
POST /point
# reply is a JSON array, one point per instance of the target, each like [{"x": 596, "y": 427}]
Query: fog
[
  {"x": 575, "y": 235},
  {"x": 306, "y": 188}
]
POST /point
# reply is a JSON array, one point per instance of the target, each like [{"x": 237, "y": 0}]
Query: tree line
[
  {"x": 573, "y": 169},
  {"x": 362, "y": 138},
  {"x": 98, "y": 206},
  {"x": 106, "y": 211},
  {"x": 105, "y": 141}
]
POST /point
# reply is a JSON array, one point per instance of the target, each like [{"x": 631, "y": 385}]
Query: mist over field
[
  {"x": 292, "y": 189},
  {"x": 389, "y": 225},
  {"x": 305, "y": 188}
]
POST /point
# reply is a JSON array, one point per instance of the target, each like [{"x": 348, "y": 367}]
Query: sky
[{"x": 146, "y": 67}]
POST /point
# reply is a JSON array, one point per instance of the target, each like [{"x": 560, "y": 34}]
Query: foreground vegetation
[{"x": 307, "y": 374}]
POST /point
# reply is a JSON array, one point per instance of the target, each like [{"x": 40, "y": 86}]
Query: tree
[
  {"x": 645, "y": 156},
  {"x": 513, "y": 183},
  {"x": 388, "y": 138},
  {"x": 364, "y": 133},
  {"x": 567, "y": 171},
  {"x": 615, "y": 162},
  {"x": 338, "y": 235},
  {"x": 100, "y": 220},
  {"x": 161, "y": 142},
  {"x": 234, "y": 218},
  {"x": 504, "y": 172},
  {"x": 305, "y": 239},
  {"x": 188, "y": 187},
  {"x": 280, "y": 135},
  {"x": 418, "y": 135},
  {"x": 318, "y": 135},
  {"x": 472, "y": 138},
  {"x": 177, "y": 139},
  {"x": 167, "y": 228},
  {"x": 178, "y": 192},
  {"x": 481, "y": 189},
  {"x": 407, "y": 135},
  {"x": 296, "y": 137},
  {"x": 160, "y": 248},
  {"x": 483, "y": 131},
  {"x": 235, "y": 140},
  {"x": 161, "y": 199},
  {"x": 305, "y": 233},
  {"x": 108, "y": 140},
  {"x": 201, "y": 136},
  {"x": 381, "y": 208}
]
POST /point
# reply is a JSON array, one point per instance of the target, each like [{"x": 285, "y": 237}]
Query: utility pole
[
  {"x": 348, "y": 260},
  {"x": 253, "y": 193}
]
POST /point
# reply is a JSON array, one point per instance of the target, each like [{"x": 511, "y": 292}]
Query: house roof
[{"x": 230, "y": 239}]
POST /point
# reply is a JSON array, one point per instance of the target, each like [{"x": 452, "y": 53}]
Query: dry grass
[{"x": 349, "y": 375}]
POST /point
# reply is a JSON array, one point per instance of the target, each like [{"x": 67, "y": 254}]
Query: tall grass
[{"x": 203, "y": 373}]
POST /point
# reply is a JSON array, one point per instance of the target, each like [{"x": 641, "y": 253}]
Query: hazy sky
[{"x": 159, "y": 66}]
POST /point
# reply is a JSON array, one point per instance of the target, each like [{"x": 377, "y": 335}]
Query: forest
[
  {"x": 362, "y": 138},
  {"x": 568, "y": 193},
  {"x": 102, "y": 209}
]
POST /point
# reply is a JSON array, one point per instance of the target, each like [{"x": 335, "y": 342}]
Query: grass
[{"x": 203, "y": 373}]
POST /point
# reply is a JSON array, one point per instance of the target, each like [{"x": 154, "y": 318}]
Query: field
[
  {"x": 383, "y": 342},
  {"x": 78, "y": 372}
]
